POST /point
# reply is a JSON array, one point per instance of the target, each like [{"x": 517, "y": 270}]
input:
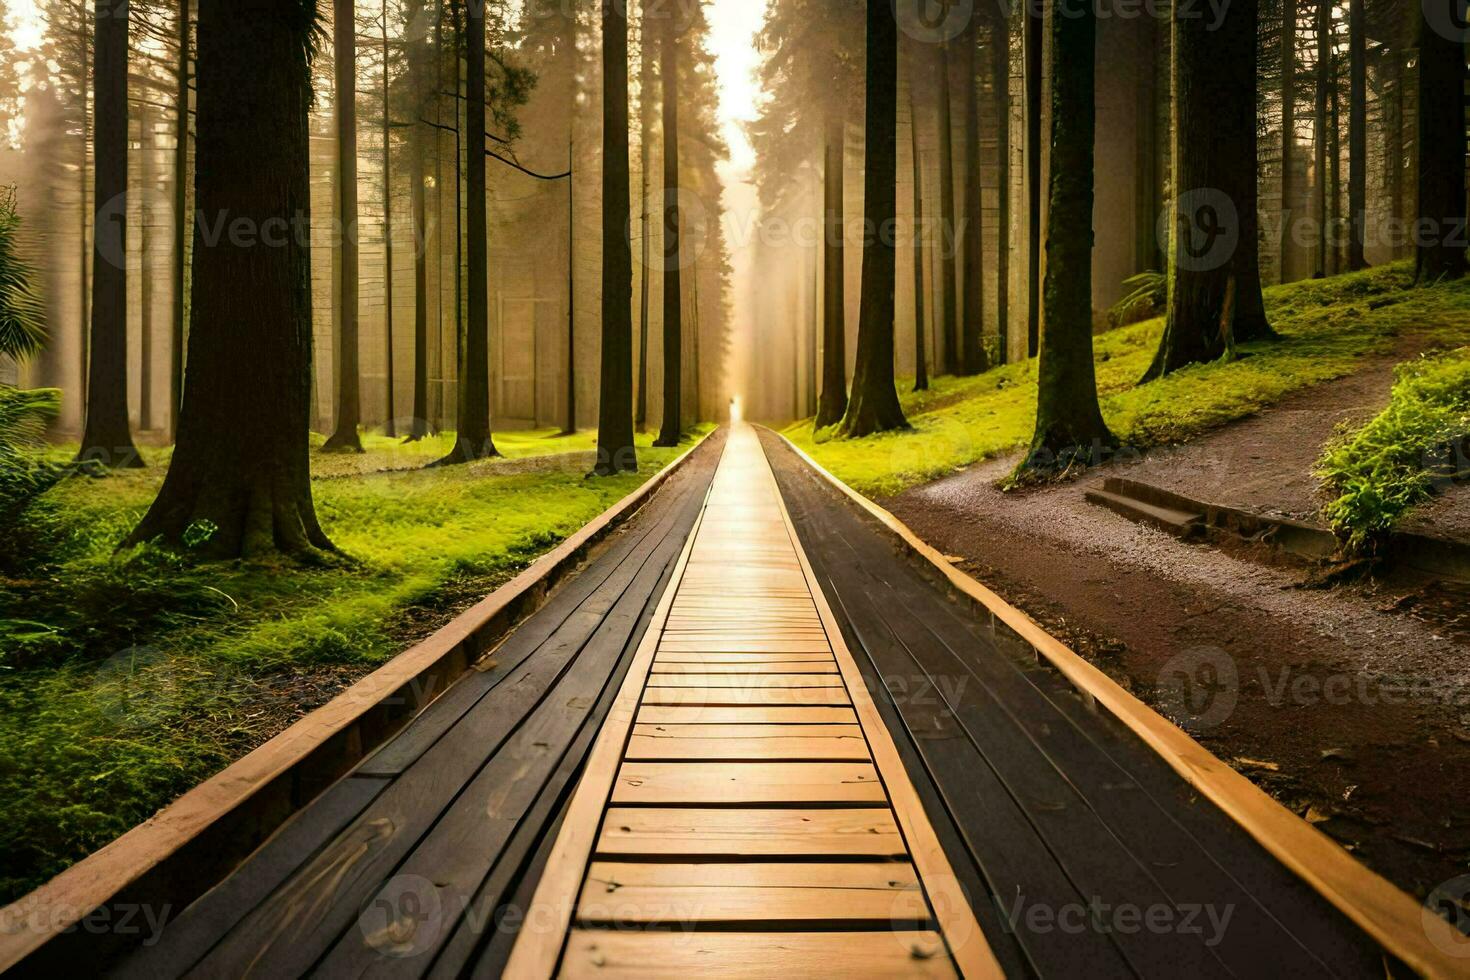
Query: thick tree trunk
[
  {"x": 1357, "y": 136},
  {"x": 349, "y": 402},
  {"x": 473, "y": 438},
  {"x": 921, "y": 357},
  {"x": 874, "y": 405},
  {"x": 615, "y": 450},
  {"x": 832, "y": 404},
  {"x": 239, "y": 480},
  {"x": 1000, "y": 74},
  {"x": 1440, "y": 253},
  {"x": 420, "y": 424},
  {"x": 106, "y": 439},
  {"x": 671, "y": 430},
  {"x": 181, "y": 219},
  {"x": 1320, "y": 122},
  {"x": 974, "y": 358},
  {"x": 647, "y": 78},
  {"x": 1034, "y": 41},
  {"x": 1070, "y": 431},
  {"x": 1215, "y": 288},
  {"x": 1288, "y": 133},
  {"x": 390, "y": 423},
  {"x": 948, "y": 243}
]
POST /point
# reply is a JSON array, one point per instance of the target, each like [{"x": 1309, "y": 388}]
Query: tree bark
[
  {"x": 1070, "y": 431},
  {"x": 1288, "y": 132},
  {"x": 921, "y": 358},
  {"x": 349, "y": 401},
  {"x": 390, "y": 425},
  {"x": 1215, "y": 289},
  {"x": 420, "y": 424},
  {"x": 1357, "y": 136},
  {"x": 1441, "y": 236},
  {"x": 1320, "y": 123},
  {"x": 949, "y": 252},
  {"x": 874, "y": 405},
  {"x": 181, "y": 220},
  {"x": 974, "y": 358},
  {"x": 239, "y": 482},
  {"x": 671, "y": 430},
  {"x": 647, "y": 77},
  {"x": 615, "y": 450},
  {"x": 473, "y": 437},
  {"x": 106, "y": 439},
  {"x": 1000, "y": 73},
  {"x": 1034, "y": 41},
  {"x": 833, "y": 402}
]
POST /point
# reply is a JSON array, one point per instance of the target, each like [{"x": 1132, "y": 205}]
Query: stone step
[{"x": 1180, "y": 523}]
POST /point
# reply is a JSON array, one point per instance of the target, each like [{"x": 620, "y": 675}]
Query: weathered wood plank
[
  {"x": 753, "y": 682},
  {"x": 597, "y": 953},
  {"x": 746, "y": 715},
  {"x": 761, "y": 832},
  {"x": 714, "y": 742},
  {"x": 723, "y": 697},
  {"x": 737, "y": 783}
]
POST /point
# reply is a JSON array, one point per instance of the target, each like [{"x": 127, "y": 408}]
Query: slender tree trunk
[
  {"x": 949, "y": 251},
  {"x": 1357, "y": 136},
  {"x": 647, "y": 78},
  {"x": 145, "y": 272},
  {"x": 1215, "y": 290},
  {"x": 239, "y": 481},
  {"x": 349, "y": 402},
  {"x": 874, "y": 405},
  {"x": 420, "y": 425},
  {"x": 1320, "y": 122},
  {"x": 832, "y": 404},
  {"x": 181, "y": 220},
  {"x": 1288, "y": 132},
  {"x": 671, "y": 431},
  {"x": 615, "y": 449},
  {"x": 390, "y": 422},
  {"x": 106, "y": 439},
  {"x": 473, "y": 437},
  {"x": 1395, "y": 150},
  {"x": 1335, "y": 244},
  {"x": 1000, "y": 65},
  {"x": 974, "y": 358},
  {"x": 1440, "y": 253},
  {"x": 921, "y": 359},
  {"x": 86, "y": 217},
  {"x": 1034, "y": 41},
  {"x": 1070, "y": 431}
]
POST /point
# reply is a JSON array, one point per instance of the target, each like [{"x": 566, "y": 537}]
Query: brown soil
[{"x": 1351, "y": 705}]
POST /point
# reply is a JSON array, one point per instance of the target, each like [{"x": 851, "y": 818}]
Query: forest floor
[
  {"x": 126, "y": 679},
  {"x": 1350, "y": 703}
]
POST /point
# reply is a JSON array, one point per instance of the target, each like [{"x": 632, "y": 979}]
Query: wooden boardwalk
[{"x": 745, "y": 812}]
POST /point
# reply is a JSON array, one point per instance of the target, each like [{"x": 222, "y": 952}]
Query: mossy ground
[
  {"x": 125, "y": 679},
  {"x": 1328, "y": 328}
]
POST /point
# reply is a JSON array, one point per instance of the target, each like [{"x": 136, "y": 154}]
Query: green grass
[
  {"x": 127, "y": 679},
  {"x": 1328, "y": 328},
  {"x": 1384, "y": 468}
]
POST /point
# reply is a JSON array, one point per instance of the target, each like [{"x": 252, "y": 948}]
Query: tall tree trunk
[
  {"x": 1000, "y": 73},
  {"x": 647, "y": 77},
  {"x": 349, "y": 401},
  {"x": 1034, "y": 42},
  {"x": 1394, "y": 152},
  {"x": 1069, "y": 425},
  {"x": 671, "y": 431},
  {"x": 1440, "y": 254},
  {"x": 874, "y": 405},
  {"x": 391, "y": 415},
  {"x": 181, "y": 220},
  {"x": 615, "y": 449},
  {"x": 239, "y": 478},
  {"x": 86, "y": 218},
  {"x": 145, "y": 272},
  {"x": 473, "y": 437},
  {"x": 832, "y": 404},
  {"x": 1320, "y": 122},
  {"x": 105, "y": 436},
  {"x": 921, "y": 358},
  {"x": 1335, "y": 250},
  {"x": 974, "y": 358},
  {"x": 948, "y": 244},
  {"x": 420, "y": 424},
  {"x": 1357, "y": 136},
  {"x": 1215, "y": 289},
  {"x": 1288, "y": 133}
]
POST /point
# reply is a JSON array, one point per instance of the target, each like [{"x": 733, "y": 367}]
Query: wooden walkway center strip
[{"x": 744, "y": 811}]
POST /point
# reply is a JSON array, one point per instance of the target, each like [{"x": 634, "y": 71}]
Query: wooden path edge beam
[
  {"x": 248, "y": 800},
  {"x": 1399, "y": 923}
]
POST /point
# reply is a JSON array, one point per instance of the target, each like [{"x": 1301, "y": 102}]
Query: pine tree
[
  {"x": 349, "y": 400},
  {"x": 1440, "y": 253}
]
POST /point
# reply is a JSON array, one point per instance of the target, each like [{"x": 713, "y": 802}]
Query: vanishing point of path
[{"x": 750, "y": 738}]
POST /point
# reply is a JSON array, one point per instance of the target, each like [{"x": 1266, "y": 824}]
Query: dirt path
[{"x": 1350, "y": 712}]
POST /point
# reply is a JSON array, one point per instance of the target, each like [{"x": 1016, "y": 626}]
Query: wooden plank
[
  {"x": 745, "y": 715},
  {"x": 808, "y": 742},
  {"x": 757, "y": 681},
  {"x": 737, "y": 645},
  {"x": 758, "y": 667},
  {"x": 737, "y": 783},
  {"x": 726, "y": 697},
  {"x": 674, "y": 657},
  {"x": 622, "y": 894},
  {"x": 761, "y": 832},
  {"x": 598, "y": 953}
]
